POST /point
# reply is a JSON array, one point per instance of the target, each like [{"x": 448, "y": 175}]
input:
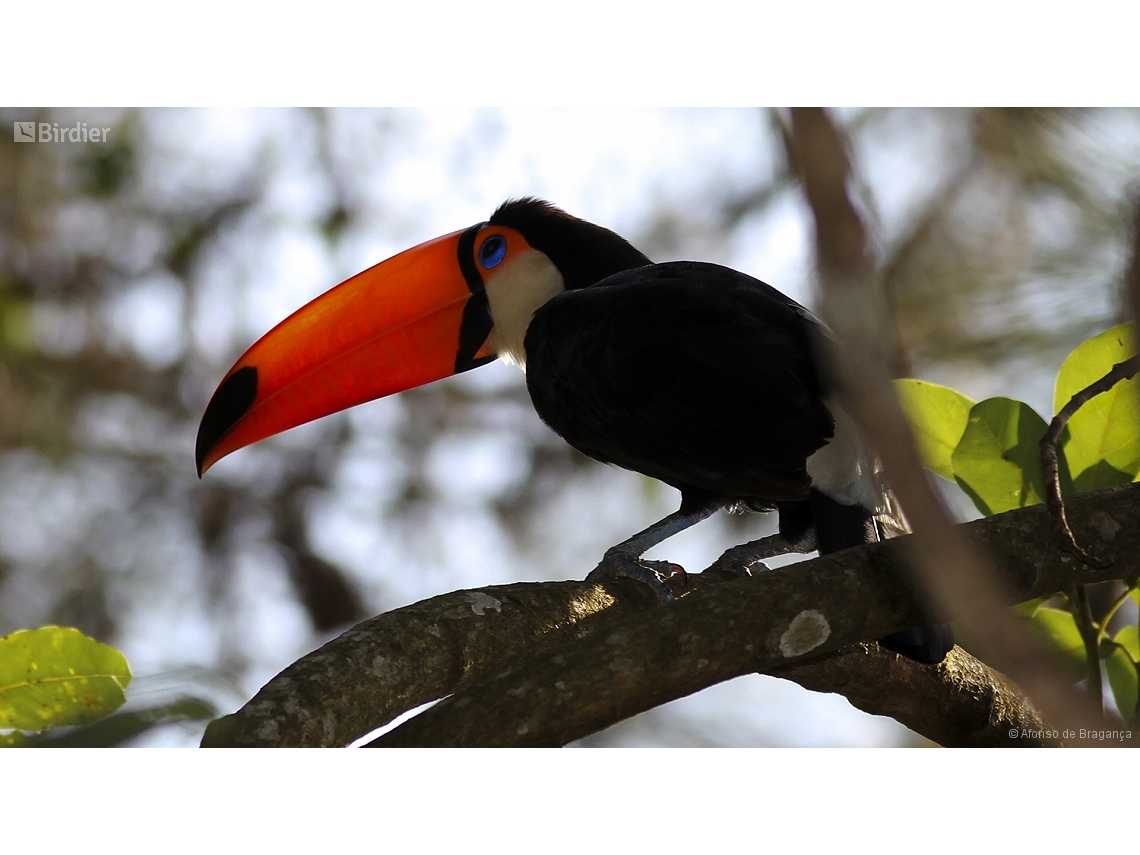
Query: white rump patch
[{"x": 843, "y": 469}]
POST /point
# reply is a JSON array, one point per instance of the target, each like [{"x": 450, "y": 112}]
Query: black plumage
[
  {"x": 692, "y": 373},
  {"x": 697, "y": 375}
]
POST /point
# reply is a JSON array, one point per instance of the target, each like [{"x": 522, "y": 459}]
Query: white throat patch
[{"x": 515, "y": 292}]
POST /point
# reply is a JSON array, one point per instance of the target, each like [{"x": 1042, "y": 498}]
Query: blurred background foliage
[{"x": 133, "y": 273}]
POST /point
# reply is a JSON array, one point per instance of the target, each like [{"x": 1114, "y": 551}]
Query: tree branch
[
  {"x": 960, "y": 703},
  {"x": 462, "y": 643},
  {"x": 399, "y": 660},
  {"x": 726, "y": 630}
]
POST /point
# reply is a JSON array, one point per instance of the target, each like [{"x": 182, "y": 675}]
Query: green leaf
[
  {"x": 1103, "y": 446},
  {"x": 1125, "y": 682},
  {"x": 938, "y": 416},
  {"x": 997, "y": 460},
  {"x": 1058, "y": 630},
  {"x": 1129, "y": 639},
  {"x": 1029, "y": 607},
  {"x": 58, "y": 676}
]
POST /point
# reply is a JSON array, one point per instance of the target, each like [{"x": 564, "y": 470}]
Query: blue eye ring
[{"x": 492, "y": 251}]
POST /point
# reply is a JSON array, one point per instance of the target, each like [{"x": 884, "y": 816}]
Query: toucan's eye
[{"x": 492, "y": 251}]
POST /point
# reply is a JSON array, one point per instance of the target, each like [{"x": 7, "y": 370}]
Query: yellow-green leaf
[
  {"x": 1125, "y": 682},
  {"x": 58, "y": 676},
  {"x": 997, "y": 461},
  {"x": 938, "y": 417},
  {"x": 1129, "y": 639},
  {"x": 1103, "y": 445},
  {"x": 1029, "y": 607},
  {"x": 1058, "y": 630}
]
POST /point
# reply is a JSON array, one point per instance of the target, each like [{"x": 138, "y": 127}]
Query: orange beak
[{"x": 417, "y": 317}]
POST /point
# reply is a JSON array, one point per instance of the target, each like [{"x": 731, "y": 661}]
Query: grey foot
[{"x": 619, "y": 564}]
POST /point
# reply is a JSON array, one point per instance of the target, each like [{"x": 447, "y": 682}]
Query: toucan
[{"x": 691, "y": 373}]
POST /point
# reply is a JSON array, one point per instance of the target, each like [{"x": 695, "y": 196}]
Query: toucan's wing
[{"x": 692, "y": 373}]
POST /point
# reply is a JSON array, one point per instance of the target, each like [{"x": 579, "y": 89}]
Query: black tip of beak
[{"x": 232, "y": 400}]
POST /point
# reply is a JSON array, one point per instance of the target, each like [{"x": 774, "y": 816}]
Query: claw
[
  {"x": 619, "y": 564},
  {"x": 735, "y": 567},
  {"x": 747, "y": 559}
]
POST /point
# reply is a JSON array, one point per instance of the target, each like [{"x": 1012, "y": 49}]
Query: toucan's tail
[{"x": 839, "y": 527}]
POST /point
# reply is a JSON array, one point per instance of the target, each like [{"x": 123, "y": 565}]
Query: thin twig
[{"x": 1125, "y": 370}]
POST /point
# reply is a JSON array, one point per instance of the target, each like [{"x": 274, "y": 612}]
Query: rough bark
[
  {"x": 541, "y": 664},
  {"x": 402, "y": 659}
]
